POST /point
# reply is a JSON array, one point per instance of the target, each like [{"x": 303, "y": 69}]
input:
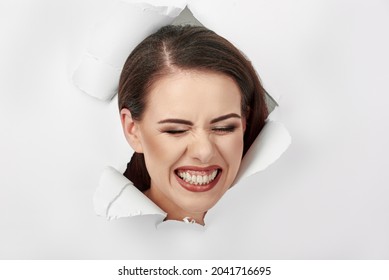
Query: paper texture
[
  {"x": 270, "y": 144},
  {"x": 114, "y": 39},
  {"x": 171, "y": 8},
  {"x": 95, "y": 77},
  {"x": 116, "y": 197}
]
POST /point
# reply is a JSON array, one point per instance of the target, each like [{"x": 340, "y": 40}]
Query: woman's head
[{"x": 191, "y": 102}]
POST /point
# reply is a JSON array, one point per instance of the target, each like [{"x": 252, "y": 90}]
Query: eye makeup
[
  {"x": 219, "y": 129},
  {"x": 189, "y": 123},
  {"x": 224, "y": 129},
  {"x": 174, "y": 131}
]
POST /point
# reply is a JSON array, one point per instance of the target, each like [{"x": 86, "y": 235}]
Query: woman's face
[{"x": 191, "y": 135}]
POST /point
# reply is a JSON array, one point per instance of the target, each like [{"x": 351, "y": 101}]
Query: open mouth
[{"x": 198, "y": 180}]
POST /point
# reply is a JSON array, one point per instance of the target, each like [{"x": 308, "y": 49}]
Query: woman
[{"x": 191, "y": 105}]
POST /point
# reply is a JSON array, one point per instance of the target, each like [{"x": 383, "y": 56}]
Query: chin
[{"x": 198, "y": 198}]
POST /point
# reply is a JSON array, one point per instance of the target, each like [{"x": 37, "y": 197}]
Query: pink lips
[{"x": 198, "y": 188}]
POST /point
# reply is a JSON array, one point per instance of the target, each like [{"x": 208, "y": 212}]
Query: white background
[{"x": 327, "y": 197}]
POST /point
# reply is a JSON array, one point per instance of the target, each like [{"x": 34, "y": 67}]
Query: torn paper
[
  {"x": 116, "y": 197},
  {"x": 269, "y": 145},
  {"x": 174, "y": 226},
  {"x": 171, "y": 8},
  {"x": 113, "y": 40}
]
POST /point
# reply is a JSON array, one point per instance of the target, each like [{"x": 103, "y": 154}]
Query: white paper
[
  {"x": 113, "y": 40},
  {"x": 270, "y": 144},
  {"x": 116, "y": 197},
  {"x": 95, "y": 77},
  {"x": 325, "y": 198},
  {"x": 171, "y": 8}
]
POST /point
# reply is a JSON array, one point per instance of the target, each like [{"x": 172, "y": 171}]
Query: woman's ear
[{"x": 131, "y": 130}]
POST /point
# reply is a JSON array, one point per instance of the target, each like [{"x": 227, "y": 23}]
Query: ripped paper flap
[
  {"x": 113, "y": 40},
  {"x": 171, "y": 8},
  {"x": 117, "y": 197},
  {"x": 269, "y": 145}
]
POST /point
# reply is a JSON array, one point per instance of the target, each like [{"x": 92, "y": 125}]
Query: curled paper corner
[
  {"x": 112, "y": 41},
  {"x": 274, "y": 114},
  {"x": 270, "y": 144},
  {"x": 116, "y": 197}
]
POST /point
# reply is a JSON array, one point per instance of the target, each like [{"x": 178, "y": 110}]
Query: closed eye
[
  {"x": 224, "y": 129},
  {"x": 175, "y": 131},
  {"x": 221, "y": 130}
]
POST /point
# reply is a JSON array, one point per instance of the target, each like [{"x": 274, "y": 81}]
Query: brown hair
[{"x": 186, "y": 48}]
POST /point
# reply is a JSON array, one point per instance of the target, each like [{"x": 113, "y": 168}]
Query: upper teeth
[{"x": 198, "y": 179}]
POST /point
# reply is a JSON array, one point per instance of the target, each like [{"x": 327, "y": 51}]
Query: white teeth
[{"x": 197, "y": 179}]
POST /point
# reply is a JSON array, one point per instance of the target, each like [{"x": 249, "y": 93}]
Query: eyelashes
[
  {"x": 174, "y": 132},
  {"x": 219, "y": 130},
  {"x": 224, "y": 129}
]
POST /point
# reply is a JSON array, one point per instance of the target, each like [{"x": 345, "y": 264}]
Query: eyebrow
[
  {"x": 215, "y": 120},
  {"x": 225, "y": 117},
  {"x": 176, "y": 121}
]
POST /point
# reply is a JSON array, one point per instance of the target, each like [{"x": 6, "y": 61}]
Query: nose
[{"x": 202, "y": 148}]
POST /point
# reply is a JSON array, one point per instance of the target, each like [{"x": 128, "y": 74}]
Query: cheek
[
  {"x": 161, "y": 153},
  {"x": 231, "y": 149}
]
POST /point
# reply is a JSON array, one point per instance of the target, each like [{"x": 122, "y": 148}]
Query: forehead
[{"x": 191, "y": 93}]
